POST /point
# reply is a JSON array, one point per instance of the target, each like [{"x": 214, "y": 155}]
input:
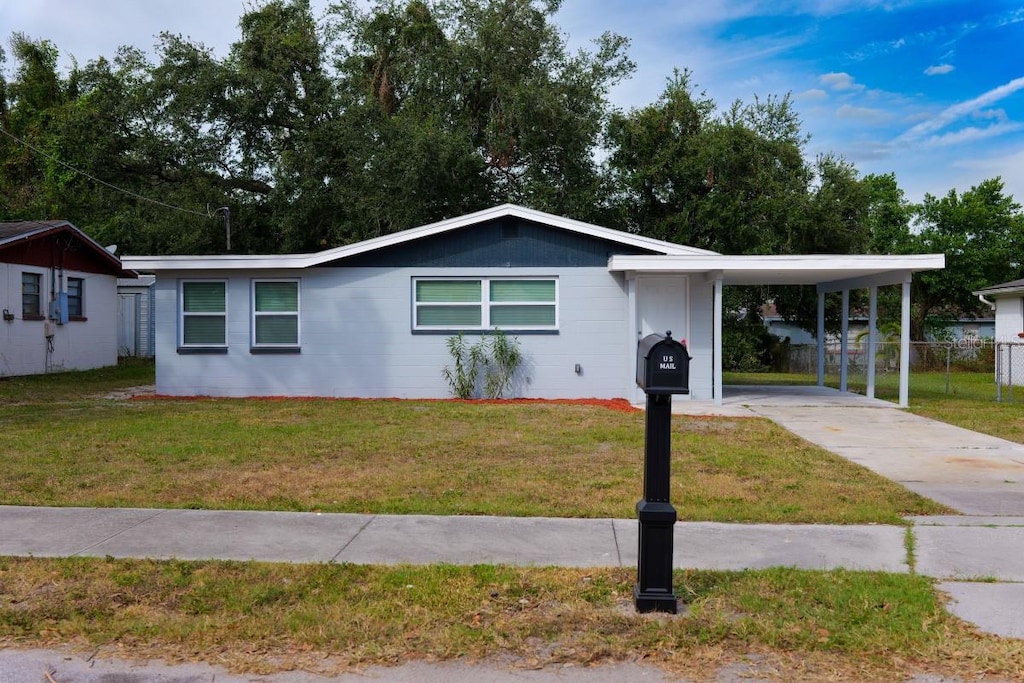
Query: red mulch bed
[{"x": 618, "y": 404}]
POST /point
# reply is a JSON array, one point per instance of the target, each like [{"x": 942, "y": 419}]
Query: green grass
[
  {"x": 64, "y": 445},
  {"x": 966, "y": 399},
  {"x": 74, "y": 386},
  {"x": 260, "y": 617},
  {"x": 68, "y": 445}
]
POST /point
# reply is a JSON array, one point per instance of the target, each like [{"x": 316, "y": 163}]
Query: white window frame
[
  {"x": 253, "y": 313},
  {"x": 182, "y": 313},
  {"x": 80, "y": 297},
  {"x": 485, "y": 304},
  {"x": 41, "y": 294}
]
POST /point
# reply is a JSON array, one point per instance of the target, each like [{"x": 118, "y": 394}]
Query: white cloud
[
  {"x": 971, "y": 134},
  {"x": 848, "y": 111},
  {"x": 939, "y": 70},
  {"x": 812, "y": 95},
  {"x": 839, "y": 81},
  {"x": 960, "y": 110},
  {"x": 994, "y": 114}
]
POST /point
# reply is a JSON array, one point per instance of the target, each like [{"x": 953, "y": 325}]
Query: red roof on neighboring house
[{"x": 39, "y": 243}]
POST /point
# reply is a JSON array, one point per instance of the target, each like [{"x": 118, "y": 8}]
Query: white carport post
[
  {"x": 717, "y": 386},
  {"x": 905, "y": 345},
  {"x": 844, "y": 342},
  {"x": 872, "y": 337},
  {"x": 821, "y": 338}
]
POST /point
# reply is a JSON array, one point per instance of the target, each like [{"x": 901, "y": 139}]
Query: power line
[{"x": 101, "y": 182}]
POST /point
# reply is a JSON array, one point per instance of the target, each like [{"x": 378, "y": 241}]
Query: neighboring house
[
  {"x": 59, "y": 300},
  {"x": 372, "y": 319},
  {"x": 1008, "y": 300},
  {"x": 136, "y": 324}
]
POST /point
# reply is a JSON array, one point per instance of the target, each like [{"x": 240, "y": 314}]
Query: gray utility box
[{"x": 662, "y": 365}]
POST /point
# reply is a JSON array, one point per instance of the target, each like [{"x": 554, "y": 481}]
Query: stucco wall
[
  {"x": 356, "y": 337},
  {"x": 77, "y": 345}
]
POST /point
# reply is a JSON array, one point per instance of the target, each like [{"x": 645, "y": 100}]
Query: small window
[
  {"x": 203, "y": 313},
  {"x": 76, "y": 297},
  {"x": 275, "y": 313},
  {"x": 485, "y": 304},
  {"x": 31, "y": 295}
]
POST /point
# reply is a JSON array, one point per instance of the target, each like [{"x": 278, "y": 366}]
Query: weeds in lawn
[{"x": 264, "y": 617}]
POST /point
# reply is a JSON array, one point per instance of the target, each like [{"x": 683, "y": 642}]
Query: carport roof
[{"x": 830, "y": 272}]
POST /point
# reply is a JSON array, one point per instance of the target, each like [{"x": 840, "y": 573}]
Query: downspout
[{"x": 991, "y": 304}]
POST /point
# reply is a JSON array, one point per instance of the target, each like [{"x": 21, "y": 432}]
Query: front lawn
[
  {"x": 325, "y": 618},
  {"x": 65, "y": 444}
]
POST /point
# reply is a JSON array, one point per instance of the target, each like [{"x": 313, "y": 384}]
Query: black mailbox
[{"x": 662, "y": 365}]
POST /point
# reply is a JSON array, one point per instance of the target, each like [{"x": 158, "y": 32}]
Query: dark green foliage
[
  {"x": 317, "y": 131},
  {"x": 314, "y": 131}
]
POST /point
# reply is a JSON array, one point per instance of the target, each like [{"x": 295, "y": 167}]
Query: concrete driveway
[{"x": 973, "y": 473}]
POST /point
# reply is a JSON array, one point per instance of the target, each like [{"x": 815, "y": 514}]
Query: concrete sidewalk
[
  {"x": 419, "y": 539},
  {"x": 979, "y": 560}
]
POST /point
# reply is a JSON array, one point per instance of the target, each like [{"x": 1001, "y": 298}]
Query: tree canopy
[{"x": 317, "y": 131}]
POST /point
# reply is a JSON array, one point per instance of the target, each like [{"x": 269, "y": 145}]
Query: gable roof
[
  {"x": 1012, "y": 287},
  {"x": 14, "y": 233},
  {"x": 11, "y": 231},
  {"x": 232, "y": 262}
]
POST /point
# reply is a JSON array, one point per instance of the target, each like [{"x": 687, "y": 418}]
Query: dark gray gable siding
[{"x": 503, "y": 243}]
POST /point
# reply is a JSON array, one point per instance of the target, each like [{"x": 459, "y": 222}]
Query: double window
[
  {"x": 204, "y": 313},
  {"x": 31, "y": 295},
  {"x": 485, "y": 304},
  {"x": 275, "y": 314}
]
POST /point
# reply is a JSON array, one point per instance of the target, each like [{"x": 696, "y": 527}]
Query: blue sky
[{"x": 932, "y": 90}]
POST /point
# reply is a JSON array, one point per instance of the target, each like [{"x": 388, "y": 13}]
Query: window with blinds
[
  {"x": 485, "y": 304},
  {"x": 275, "y": 313},
  {"x": 204, "y": 313},
  {"x": 31, "y": 294},
  {"x": 76, "y": 297}
]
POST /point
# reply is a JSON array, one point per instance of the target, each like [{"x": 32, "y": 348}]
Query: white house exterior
[
  {"x": 372, "y": 319},
  {"x": 1008, "y": 300},
  {"x": 59, "y": 300}
]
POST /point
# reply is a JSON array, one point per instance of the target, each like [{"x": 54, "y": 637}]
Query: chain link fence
[
  {"x": 948, "y": 359},
  {"x": 967, "y": 355},
  {"x": 1009, "y": 362}
]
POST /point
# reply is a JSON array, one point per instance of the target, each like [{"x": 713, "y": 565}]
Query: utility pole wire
[{"x": 97, "y": 180}]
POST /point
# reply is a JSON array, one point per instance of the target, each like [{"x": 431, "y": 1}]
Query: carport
[{"x": 829, "y": 273}]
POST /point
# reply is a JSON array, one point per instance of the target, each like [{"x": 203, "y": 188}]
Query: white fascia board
[
  {"x": 897, "y": 270},
  {"x": 151, "y": 264},
  {"x": 1006, "y": 291},
  {"x": 1014, "y": 287},
  {"x": 797, "y": 269}
]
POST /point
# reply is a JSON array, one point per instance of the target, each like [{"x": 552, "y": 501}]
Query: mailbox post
[{"x": 662, "y": 369}]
